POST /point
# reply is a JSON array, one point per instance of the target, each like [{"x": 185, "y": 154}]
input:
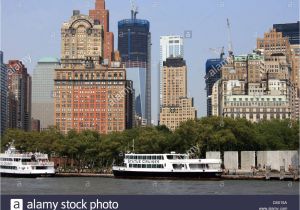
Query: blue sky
[{"x": 32, "y": 28}]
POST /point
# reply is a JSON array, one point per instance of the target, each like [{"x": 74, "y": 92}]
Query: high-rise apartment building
[
  {"x": 176, "y": 107},
  {"x": 4, "y": 96},
  {"x": 19, "y": 98},
  {"x": 134, "y": 45},
  {"x": 42, "y": 91},
  {"x": 170, "y": 46},
  {"x": 89, "y": 94},
  {"x": 101, "y": 14}
]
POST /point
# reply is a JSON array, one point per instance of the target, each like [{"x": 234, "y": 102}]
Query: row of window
[
  {"x": 9, "y": 167},
  {"x": 15, "y": 159},
  {"x": 146, "y": 166},
  {"x": 144, "y": 157}
]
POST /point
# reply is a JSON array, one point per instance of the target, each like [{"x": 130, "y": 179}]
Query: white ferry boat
[
  {"x": 15, "y": 164},
  {"x": 167, "y": 165}
]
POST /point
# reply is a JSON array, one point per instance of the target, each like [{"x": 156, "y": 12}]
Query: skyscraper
[
  {"x": 42, "y": 91},
  {"x": 176, "y": 107},
  {"x": 19, "y": 87},
  {"x": 213, "y": 74},
  {"x": 170, "y": 46},
  {"x": 4, "y": 97},
  {"x": 134, "y": 45},
  {"x": 89, "y": 94},
  {"x": 101, "y": 14}
]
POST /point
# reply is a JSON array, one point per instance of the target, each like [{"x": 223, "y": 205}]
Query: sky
[{"x": 31, "y": 29}]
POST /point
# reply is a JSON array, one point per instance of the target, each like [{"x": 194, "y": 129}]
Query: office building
[
  {"x": 213, "y": 74},
  {"x": 42, "y": 91},
  {"x": 291, "y": 31},
  {"x": 4, "y": 96},
  {"x": 134, "y": 45},
  {"x": 101, "y": 14},
  {"x": 253, "y": 87},
  {"x": 89, "y": 92},
  {"x": 81, "y": 37},
  {"x": 19, "y": 98},
  {"x": 176, "y": 107},
  {"x": 170, "y": 46}
]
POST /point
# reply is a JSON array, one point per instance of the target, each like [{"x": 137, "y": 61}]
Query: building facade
[
  {"x": 291, "y": 31},
  {"x": 276, "y": 45},
  {"x": 4, "y": 96},
  {"x": 170, "y": 46},
  {"x": 101, "y": 14},
  {"x": 134, "y": 45},
  {"x": 35, "y": 125},
  {"x": 81, "y": 37},
  {"x": 176, "y": 107},
  {"x": 89, "y": 94},
  {"x": 213, "y": 74},
  {"x": 262, "y": 85},
  {"x": 19, "y": 96},
  {"x": 91, "y": 99},
  {"x": 253, "y": 87},
  {"x": 42, "y": 91}
]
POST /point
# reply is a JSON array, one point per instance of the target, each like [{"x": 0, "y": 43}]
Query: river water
[{"x": 112, "y": 186}]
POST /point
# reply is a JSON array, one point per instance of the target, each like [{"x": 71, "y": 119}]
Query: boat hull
[
  {"x": 143, "y": 174},
  {"x": 24, "y": 175}
]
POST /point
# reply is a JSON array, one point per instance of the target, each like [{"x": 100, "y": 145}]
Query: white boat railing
[
  {"x": 14, "y": 155},
  {"x": 38, "y": 163}
]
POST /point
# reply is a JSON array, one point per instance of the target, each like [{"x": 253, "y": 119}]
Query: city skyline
[{"x": 45, "y": 32}]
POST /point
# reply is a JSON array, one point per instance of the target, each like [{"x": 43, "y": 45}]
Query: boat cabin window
[
  {"x": 41, "y": 167},
  {"x": 144, "y": 157},
  {"x": 146, "y": 166},
  {"x": 179, "y": 166},
  {"x": 9, "y": 167},
  {"x": 26, "y": 160},
  {"x": 6, "y": 159},
  {"x": 199, "y": 166},
  {"x": 176, "y": 157}
]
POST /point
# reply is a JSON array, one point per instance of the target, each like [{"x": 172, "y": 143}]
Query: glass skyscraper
[
  {"x": 134, "y": 45},
  {"x": 213, "y": 74},
  {"x": 42, "y": 91}
]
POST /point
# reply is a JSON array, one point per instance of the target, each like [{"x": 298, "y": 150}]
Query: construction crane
[
  {"x": 134, "y": 9},
  {"x": 219, "y": 51},
  {"x": 230, "y": 47}
]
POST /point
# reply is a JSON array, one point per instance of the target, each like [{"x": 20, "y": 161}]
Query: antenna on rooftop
[
  {"x": 230, "y": 47},
  {"x": 134, "y": 9}
]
